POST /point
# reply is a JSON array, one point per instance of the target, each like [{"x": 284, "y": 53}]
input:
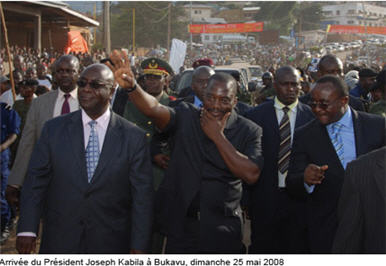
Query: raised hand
[{"x": 121, "y": 69}]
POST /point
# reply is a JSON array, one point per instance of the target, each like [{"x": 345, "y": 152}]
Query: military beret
[
  {"x": 156, "y": 66},
  {"x": 367, "y": 72},
  {"x": 203, "y": 62}
]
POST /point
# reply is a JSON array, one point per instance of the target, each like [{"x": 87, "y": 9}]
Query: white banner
[{"x": 177, "y": 55}]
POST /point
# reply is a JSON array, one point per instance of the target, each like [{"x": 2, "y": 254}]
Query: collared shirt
[
  {"x": 101, "y": 127},
  {"x": 292, "y": 118},
  {"x": 348, "y": 138},
  {"x": 197, "y": 102},
  {"x": 72, "y": 101}
]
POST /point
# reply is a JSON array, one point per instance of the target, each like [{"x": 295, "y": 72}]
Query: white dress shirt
[
  {"x": 72, "y": 101},
  {"x": 101, "y": 127},
  {"x": 292, "y": 119}
]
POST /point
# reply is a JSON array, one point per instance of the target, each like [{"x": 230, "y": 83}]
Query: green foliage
[{"x": 151, "y": 23}]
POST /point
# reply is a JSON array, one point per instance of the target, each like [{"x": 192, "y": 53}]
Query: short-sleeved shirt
[
  {"x": 10, "y": 124},
  {"x": 196, "y": 165}
]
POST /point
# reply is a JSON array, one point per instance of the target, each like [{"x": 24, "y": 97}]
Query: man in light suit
[
  {"x": 321, "y": 151},
  {"x": 362, "y": 206},
  {"x": 89, "y": 179},
  {"x": 43, "y": 108},
  {"x": 270, "y": 208}
]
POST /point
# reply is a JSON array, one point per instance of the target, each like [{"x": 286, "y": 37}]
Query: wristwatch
[{"x": 132, "y": 88}]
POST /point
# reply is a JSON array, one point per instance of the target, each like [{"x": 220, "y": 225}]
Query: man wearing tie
[
  {"x": 89, "y": 179},
  {"x": 270, "y": 208},
  {"x": 321, "y": 151},
  {"x": 43, "y": 108}
]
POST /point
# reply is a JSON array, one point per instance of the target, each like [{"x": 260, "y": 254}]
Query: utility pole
[
  {"x": 366, "y": 35},
  {"x": 94, "y": 27},
  {"x": 106, "y": 27},
  {"x": 169, "y": 27},
  {"x": 133, "y": 29}
]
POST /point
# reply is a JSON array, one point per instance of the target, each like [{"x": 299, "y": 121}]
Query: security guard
[{"x": 156, "y": 75}]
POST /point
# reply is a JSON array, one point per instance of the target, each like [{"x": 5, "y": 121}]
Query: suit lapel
[
  {"x": 76, "y": 139},
  {"x": 272, "y": 120},
  {"x": 301, "y": 118},
  {"x": 358, "y": 134},
  {"x": 50, "y": 105},
  {"x": 110, "y": 147}
]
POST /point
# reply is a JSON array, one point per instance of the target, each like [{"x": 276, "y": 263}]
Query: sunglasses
[
  {"x": 322, "y": 105},
  {"x": 93, "y": 84}
]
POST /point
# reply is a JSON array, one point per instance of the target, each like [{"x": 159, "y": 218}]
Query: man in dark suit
[
  {"x": 89, "y": 179},
  {"x": 362, "y": 206},
  {"x": 332, "y": 65},
  {"x": 270, "y": 208},
  {"x": 216, "y": 150},
  {"x": 321, "y": 151}
]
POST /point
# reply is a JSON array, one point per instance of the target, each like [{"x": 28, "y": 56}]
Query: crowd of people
[{"x": 101, "y": 151}]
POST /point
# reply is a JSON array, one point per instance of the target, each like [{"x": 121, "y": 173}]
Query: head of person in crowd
[
  {"x": 200, "y": 80},
  {"x": 367, "y": 78},
  {"x": 220, "y": 95},
  {"x": 40, "y": 90},
  {"x": 182, "y": 69},
  {"x": 31, "y": 73},
  {"x": 42, "y": 71},
  {"x": 267, "y": 79},
  {"x": 329, "y": 99},
  {"x": 287, "y": 84},
  {"x": 4, "y": 84},
  {"x": 203, "y": 62},
  {"x": 330, "y": 65},
  {"x": 67, "y": 72},
  {"x": 156, "y": 73},
  {"x": 18, "y": 63},
  {"x": 95, "y": 89},
  {"x": 378, "y": 90},
  {"x": 351, "y": 78},
  {"x": 272, "y": 69},
  {"x": 28, "y": 88}
]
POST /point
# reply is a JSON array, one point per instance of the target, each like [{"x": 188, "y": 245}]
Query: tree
[{"x": 151, "y": 23}]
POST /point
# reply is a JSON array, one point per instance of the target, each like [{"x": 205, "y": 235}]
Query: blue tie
[
  {"x": 337, "y": 141},
  {"x": 92, "y": 151}
]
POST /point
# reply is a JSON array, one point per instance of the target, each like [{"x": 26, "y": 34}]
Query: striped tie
[
  {"x": 92, "y": 151},
  {"x": 285, "y": 142},
  {"x": 336, "y": 140}
]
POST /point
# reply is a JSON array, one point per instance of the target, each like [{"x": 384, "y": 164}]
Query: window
[
  {"x": 206, "y": 38},
  {"x": 350, "y": 22},
  {"x": 337, "y": 12},
  {"x": 351, "y": 11}
]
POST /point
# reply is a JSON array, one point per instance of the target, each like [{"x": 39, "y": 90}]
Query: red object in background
[
  {"x": 356, "y": 29},
  {"x": 226, "y": 28},
  {"x": 75, "y": 43}
]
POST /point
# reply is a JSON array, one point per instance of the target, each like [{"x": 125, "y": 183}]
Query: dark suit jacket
[
  {"x": 362, "y": 206},
  {"x": 355, "y": 102},
  {"x": 112, "y": 213},
  {"x": 313, "y": 145},
  {"x": 265, "y": 190},
  {"x": 121, "y": 98}
]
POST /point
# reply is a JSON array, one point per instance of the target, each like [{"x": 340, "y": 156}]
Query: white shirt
[
  {"x": 72, "y": 100},
  {"x": 292, "y": 119},
  {"x": 101, "y": 128}
]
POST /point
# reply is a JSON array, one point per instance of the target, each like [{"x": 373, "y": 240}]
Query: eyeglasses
[
  {"x": 322, "y": 105},
  {"x": 93, "y": 84}
]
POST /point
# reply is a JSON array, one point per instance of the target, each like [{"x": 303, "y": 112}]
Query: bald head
[
  {"x": 330, "y": 65},
  {"x": 68, "y": 59},
  {"x": 102, "y": 70},
  {"x": 283, "y": 71},
  {"x": 200, "y": 80}
]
